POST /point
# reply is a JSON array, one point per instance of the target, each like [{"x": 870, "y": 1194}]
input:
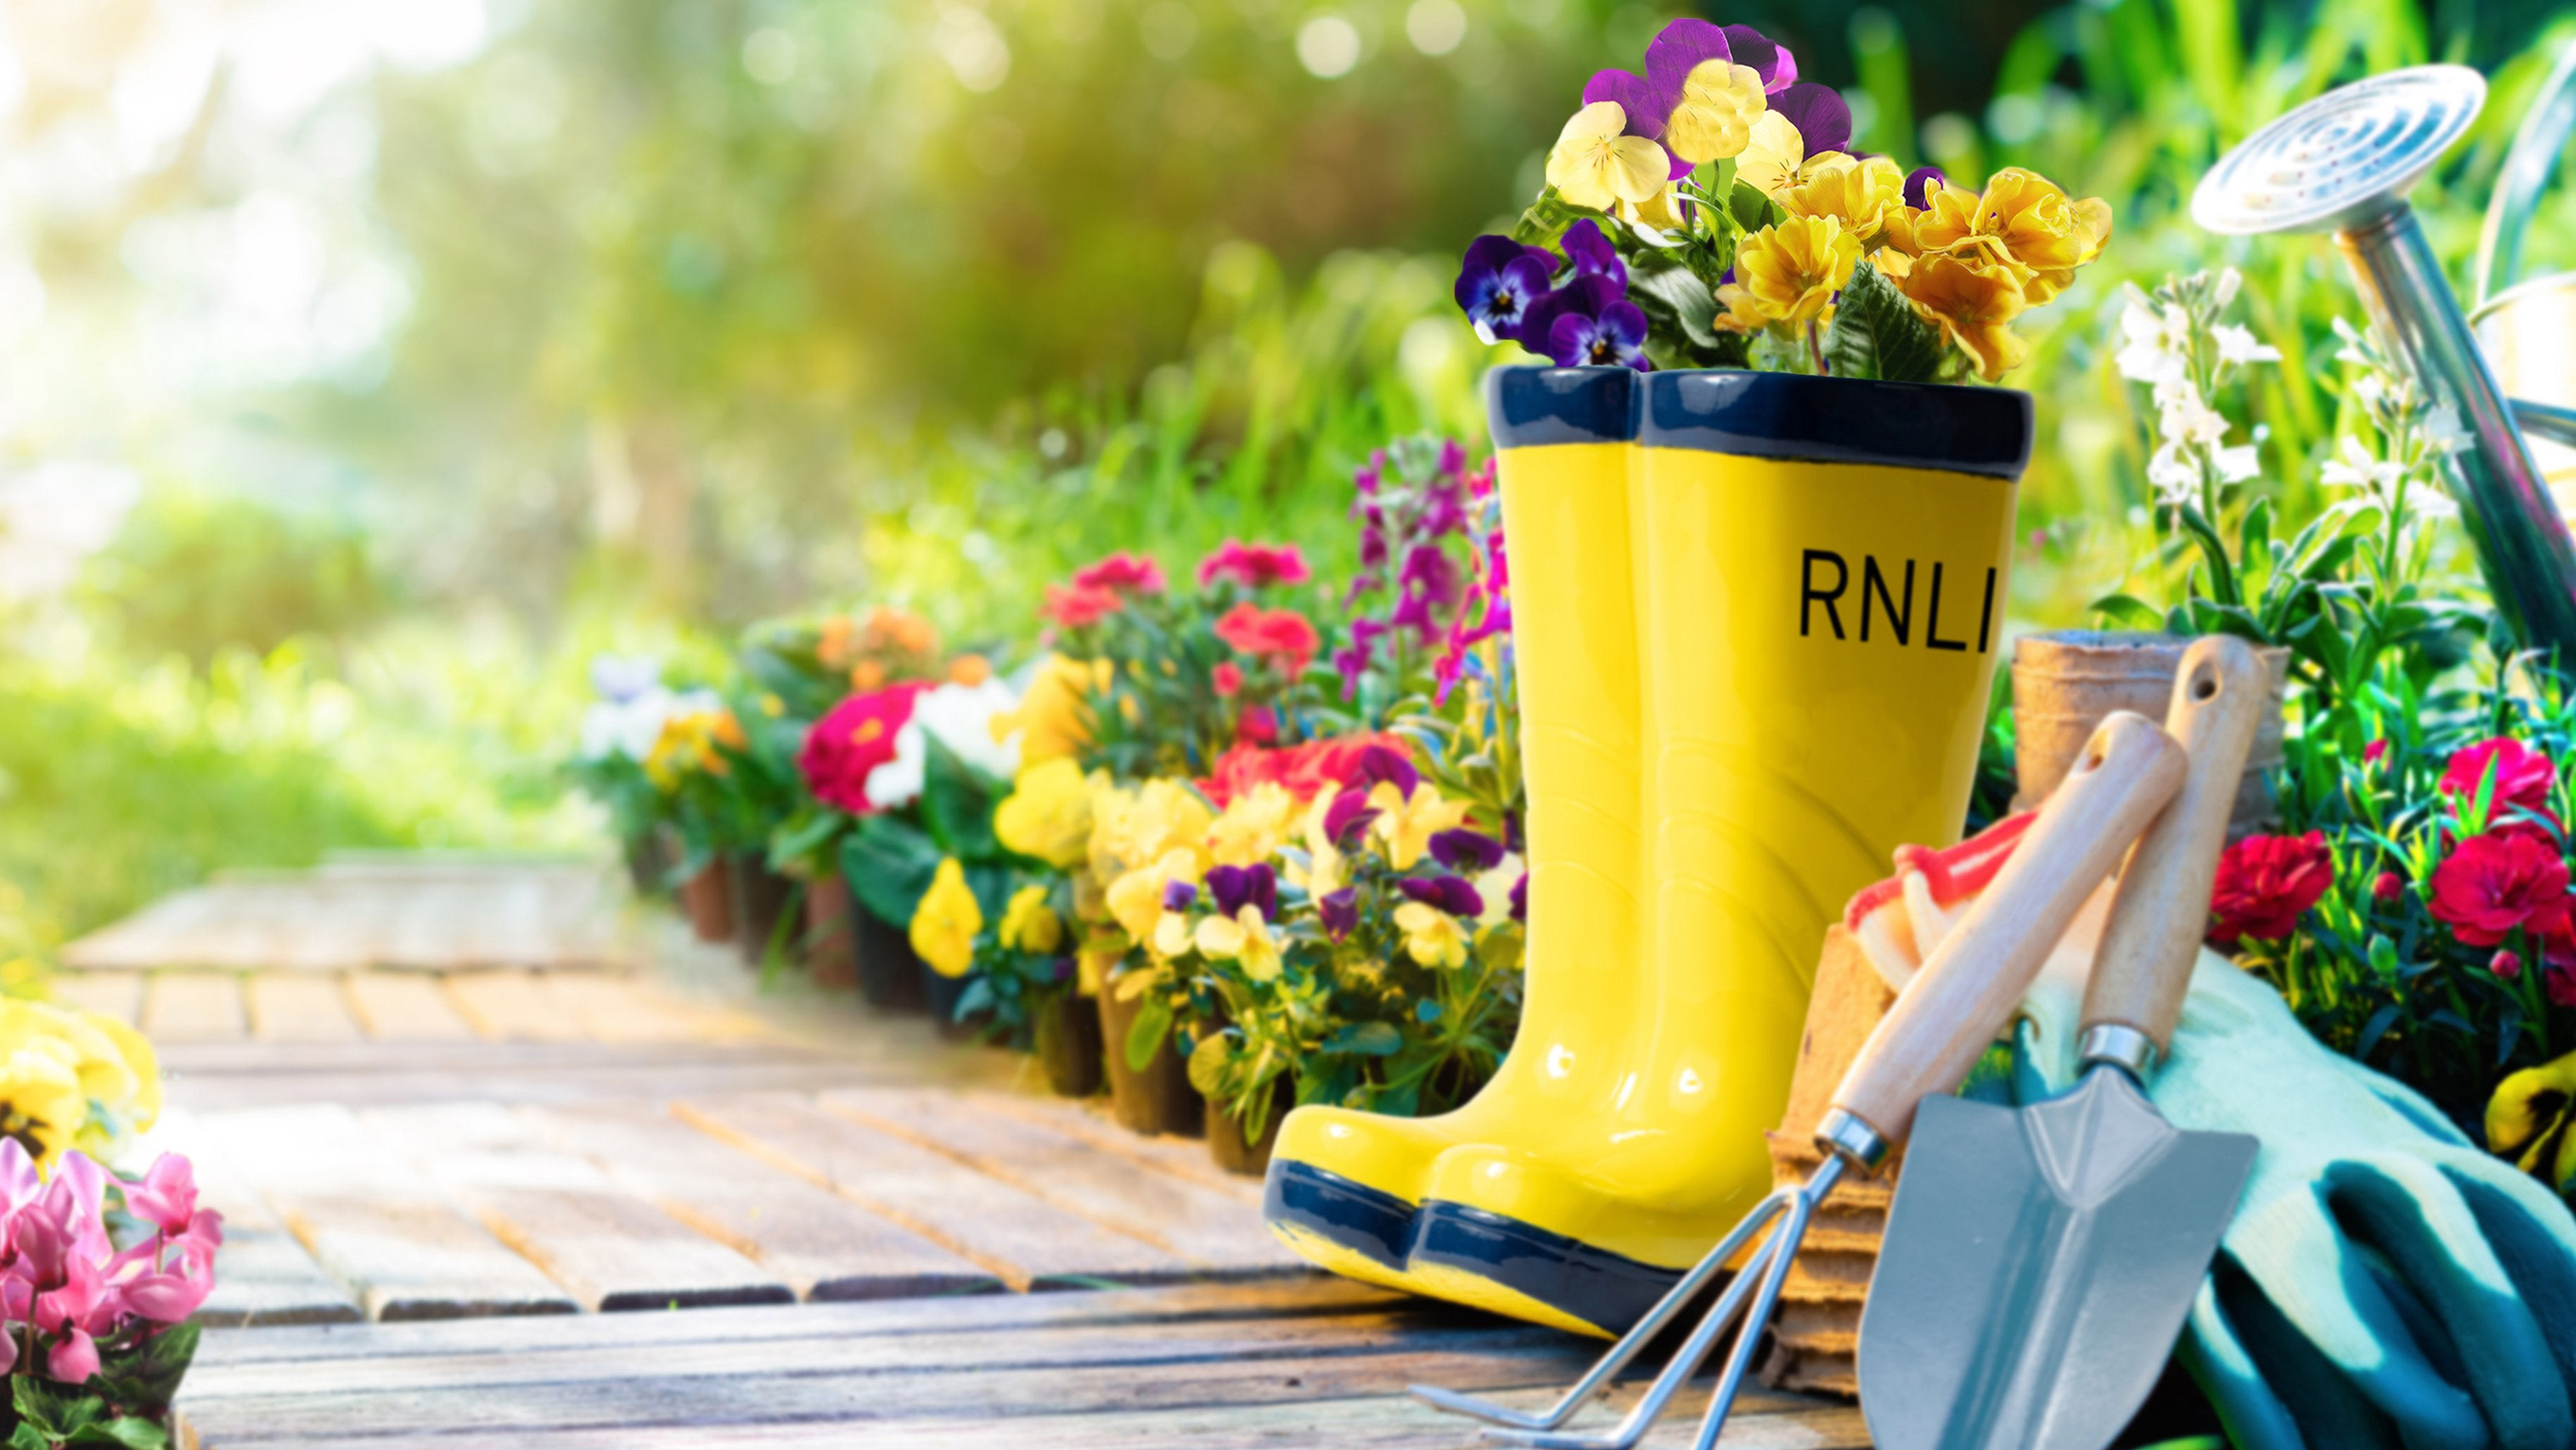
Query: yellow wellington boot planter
[{"x": 1812, "y": 575}]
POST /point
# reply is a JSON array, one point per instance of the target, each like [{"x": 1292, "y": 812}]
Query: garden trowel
[{"x": 2039, "y": 1261}]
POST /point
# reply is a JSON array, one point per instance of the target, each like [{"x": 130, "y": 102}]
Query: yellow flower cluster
[
  {"x": 72, "y": 1079},
  {"x": 1052, "y": 720},
  {"x": 1970, "y": 262},
  {"x": 688, "y": 743}
]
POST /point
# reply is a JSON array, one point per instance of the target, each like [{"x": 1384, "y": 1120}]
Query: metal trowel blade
[{"x": 2037, "y": 1268}]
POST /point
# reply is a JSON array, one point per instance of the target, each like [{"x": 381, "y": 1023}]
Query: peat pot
[
  {"x": 1157, "y": 1100},
  {"x": 760, "y": 897},
  {"x": 944, "y": 993},
  {"x": 706, "y": 898},
  {"x": 891, "y": 975},
  {"x": 1069, "y": 1044},
  {"x": 831, "y": 946},
  {"x": 1225, "y": 1134},
  {"x": 2065, "y": 681}
]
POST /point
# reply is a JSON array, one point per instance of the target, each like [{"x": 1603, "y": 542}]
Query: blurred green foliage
[{"x": 192, "y": 573}]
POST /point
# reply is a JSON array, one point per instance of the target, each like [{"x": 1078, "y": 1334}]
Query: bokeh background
[{"x": 366, "y": 365}]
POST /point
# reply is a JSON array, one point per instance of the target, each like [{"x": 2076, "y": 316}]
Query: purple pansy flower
[
  {"x": 1498, "y": 281},
  {"x": 1822, "y": 116},
  {"x": 1592, "y": 254},
  {"x": 1384, "y": 764},
  {"x": 1520, "y": 898},
  {"x": 1919, "y": 183},
  {"x": 1236, "y": 887},
  {"x": 1766, "y": 57},
  {"x": 1347, "y": 816},
  {"x": 1616, "y": 338},
  {"x": 1177, "y": 895},
  {"x": 1448, "y": 893},
  {"x": 1339, "y": 911},
  {"x": 1465, "y": 850},
  {"x": 1677, "y": 50}
]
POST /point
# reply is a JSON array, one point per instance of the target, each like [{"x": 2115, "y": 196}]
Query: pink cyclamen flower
[
  {"x": 73, "y": 1361},
  {"x": 166, "y": 1194},
  {"x": 1254, "y": 566}
]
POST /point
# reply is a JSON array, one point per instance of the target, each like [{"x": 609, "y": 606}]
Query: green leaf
[
  {"x": 889, "y": 862},
  {"x": 127, "y": 1431},
  {"x": 2131, "y": 611},
  {"x": 1684, "y": 296},
  {"x": 1371, "y": 1039},
  {"x": 1547, "y": 219},
  {"x": 1145, "y": 1035},
  {"x": 957, "y": 804},
  {"x": 1208, "y": 1064},
  {"x": 28, "y": 1437},
  {"x": 146, "y": 1377},
  {"x": 1751, "y": 206},
  {"x": 1875, "y": 333}
]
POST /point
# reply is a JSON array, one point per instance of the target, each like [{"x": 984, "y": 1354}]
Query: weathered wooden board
[
  {"x": 612, "y": 1249},
  {"x": 1024, "y": 1241},
  {"x": 267, "y": 1276},
  {"x": 299, "y": 1007},
  {"x": 372, "y": 1221},
  {"x": 1207, "y": 1228},
  {"x": 620, "y": 1009},
  {"x": 194, "y": 1007},
  {"x": 404, "y": 1007},
  {"x": 512, "y": 1006},
  {"x": 1090, "y": 1121},
  {"x": 113, "y": 994},
  {"x": 502, "y": 1072},
  {"x": 820, "y": 1244}
]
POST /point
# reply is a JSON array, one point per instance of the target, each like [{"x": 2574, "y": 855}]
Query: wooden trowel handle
[
  {"x": 1966, "y": 992},
  {"x": 2162, "y": 909}
]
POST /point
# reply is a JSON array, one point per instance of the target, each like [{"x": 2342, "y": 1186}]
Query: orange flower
[
  {"x": 969, "y": 670},
  {"x": 1973, "y": 300}
]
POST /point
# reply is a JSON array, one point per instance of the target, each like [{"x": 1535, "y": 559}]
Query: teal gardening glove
[{"x": 2385, "y": 1282}]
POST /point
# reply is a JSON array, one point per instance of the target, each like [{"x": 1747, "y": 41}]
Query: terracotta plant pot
[
  {"x": 1225, "y": 1134},
  {"x": 1069, "y": 1045},
  {"x": 2065, "y": 682},
  {"x": 831, "y": 941},
  {"x": 944, "y": 993},
  {"x": 707, "y": 899},
  {"x": 1157, "y": 1100},
  {"x": 891, "y": 975},
  {"x": 760, "y": 898}
]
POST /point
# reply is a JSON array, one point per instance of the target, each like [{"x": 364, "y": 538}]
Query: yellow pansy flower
[
  {"x": 41, "y": 1103},
  {"x": 1136, "y": 899},
  {"x": 945, "y": 923},
  {"x": 1244, "y": 940},
  {"x": 1720, "y": 102},
  {"x": 1405, "y": 825},
  {"x": 1972, "y": 299},
  {"x": 1171, "y": 934},
  {"x": 1594, "y": 164},
  {"x": 1432, "y": 937},
  {"x": 1323, "y": 874},
  {"x": 1157, "y": 818},
  {"x": 1790, "y": 272},
  {"x": 1861, "y": 194},
  {"x": 1775, "y": 156},
  {"x": 1052, "y": 719},
  {"x": 1254, "y": 827},
  {"x": 1029, "y": 924},
  {"x": 1663, "y": 210},
  {"x": 1048, "y": 813},
  {"x": 144, "y": 1109}
]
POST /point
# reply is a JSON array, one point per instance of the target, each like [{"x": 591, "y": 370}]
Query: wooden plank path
[{"x": 489, "y": 1184}]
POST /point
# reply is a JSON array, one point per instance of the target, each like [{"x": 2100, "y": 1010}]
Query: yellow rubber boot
[
  {"x": 1344, "y": 1186},
  {"x": 1822, "y": 565}
]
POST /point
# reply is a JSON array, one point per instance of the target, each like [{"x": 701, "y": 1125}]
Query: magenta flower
[
  {"x": 1451, "y": 894},
  {"x": 1254, "y": 566},
  {"x": 1353, "y": 659},
  {"x": 1348, "y": 815},
  {"x": 1386, "y": 765},
  {"x": 1520, "y": 898},
  {"x": 166, "y": 1195},
  {"x": 1465, "y": 850},
  {"x": 1497, "y": 282},
  {"x": 1427, "y": 584}
]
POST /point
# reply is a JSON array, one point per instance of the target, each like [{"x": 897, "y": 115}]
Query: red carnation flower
[
  {"x": 851, "y": 740},
  {"x": 1283, "y": 635},
  {"x": 2523, "y": 777},
  {"x": 2497, "y": 882},
  {"x": 1303, "y": 769},
  {"x": 1255, "y": 566},
  {"x": 2265, "y": 884},
  {"x": 1226, "y": 679},
  {"x": 1080, "y": 605},
  {"x": 1124, "y": 575}
]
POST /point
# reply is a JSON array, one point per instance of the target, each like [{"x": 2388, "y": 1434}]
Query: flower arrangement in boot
[{"x": 1712, "y": 212}]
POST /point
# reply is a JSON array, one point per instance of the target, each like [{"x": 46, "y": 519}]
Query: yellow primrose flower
[
  {"x": 945, "y": 923},
  {"x": 1593, "y": 164},
  {"x": 1860, "y": 194},
  {"x": 1737, "y": 311},
  {"x": 1406, "y": 826},
  {"x": 1775, "y": 156},
  {"x": 2042, "y": 228},
  {"x": 1048, "y": 813},
  {"x": 1973, "y": 300},
  {"x": 1255, "y": 826},
  {"x": 688, "y": 743},
  {"x": 1029, "y": 924},
  {"x": 1720, "y": 102},
  {"x": 1432, "y": 937},
  {"x": 2514, "y": 1119},
  {"x": 1246, "y": 941},
  {"x": 1790, "y": 272},
  {"x": 1052, "y": 719},
  {"x": 1136, "y": 898},
  {"x": 41, "y": 1103}
]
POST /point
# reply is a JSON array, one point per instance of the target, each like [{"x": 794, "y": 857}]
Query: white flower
[
  {"x": 2176, "y": 475},
  {"x": 619, "y": 678},
  {"x": 2229, "y": 280},
  {"x": 2359, "y": 469},
  {"x": 2183, "y": 417},
  {"x": 2144, "y": 355},
  {"x": 2237, "y": 345},
  {"x": 959, "y": 717},
  {"x": 2371, "y": 391},
  {"x": 2442, "y": 429},
  {"x": 627, "y": 728},
  {"x": 2235, "y": 465},
  {"x": 1494, "y": 888}
]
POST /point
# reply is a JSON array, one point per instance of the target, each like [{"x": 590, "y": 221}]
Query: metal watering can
[{"x": 2343, "y": 163}]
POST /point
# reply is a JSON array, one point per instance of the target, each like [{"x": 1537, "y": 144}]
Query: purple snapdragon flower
[
  {"x": 1427, "y": 585},
  {"x": 1498, "y": 281},
  {"x": 1354, "y": 658}
]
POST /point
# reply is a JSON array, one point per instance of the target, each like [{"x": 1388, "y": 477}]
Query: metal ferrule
[
  {"x": 1848, "y": 1138},
  {"x": 2116, "y": 1044}
]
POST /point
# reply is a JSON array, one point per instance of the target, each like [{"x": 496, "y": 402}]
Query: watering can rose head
[{"x": 1712, "y": 212}]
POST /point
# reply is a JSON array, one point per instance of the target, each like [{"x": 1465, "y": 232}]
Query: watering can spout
[{"x": 2343, "y": 163}]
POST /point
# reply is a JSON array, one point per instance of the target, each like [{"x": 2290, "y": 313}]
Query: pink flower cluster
[{"x": 64, "y": 1286}]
